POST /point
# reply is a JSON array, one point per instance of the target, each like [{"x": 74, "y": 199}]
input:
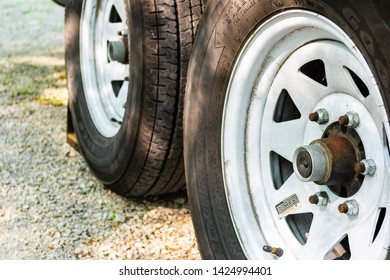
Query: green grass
[{"x": 21, "y": 82}]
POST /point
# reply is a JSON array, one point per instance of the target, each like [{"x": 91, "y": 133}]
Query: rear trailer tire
[
  {"x": 60, "y": 2},
  {"x": 126, "y": 67},
  {"x": 287, "y": 112}
]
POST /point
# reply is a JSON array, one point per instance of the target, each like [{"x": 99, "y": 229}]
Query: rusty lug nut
[
  {"x": 319, "y": 198},
  {"x": 275, "y": 251},
  {"x": 313, "y": 199},
  {"x": 349, "y": 207},
  {"x": 366, "y": 167},
  {"x": 344, "y": 120},
  {"x": 343, "y": 208},
  {"x": 360, "y": 167},
  {"x": 350, "y": 119},
  {"x": 321, "y": 116},
  {"x": 314, "y": 116}
]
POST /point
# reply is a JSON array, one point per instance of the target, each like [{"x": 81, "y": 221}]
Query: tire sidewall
[{"x": 225, "y": 28}]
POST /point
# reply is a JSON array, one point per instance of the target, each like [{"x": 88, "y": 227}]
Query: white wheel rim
[
  {"x": 269, "y": 63},
  {"x": 100, "y": 75}
]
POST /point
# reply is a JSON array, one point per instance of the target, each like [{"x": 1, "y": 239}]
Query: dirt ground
[
  {"x": 51, "y": 206},
  {"x": 32, "y": 52}
]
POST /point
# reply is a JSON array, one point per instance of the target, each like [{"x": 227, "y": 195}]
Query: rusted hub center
[{"x": 327, "y": 161}]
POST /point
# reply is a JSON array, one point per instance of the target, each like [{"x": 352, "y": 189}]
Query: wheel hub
[
  {"x": 327, "y": 161},
  {"x": 332, "y": 160},
  {"x": 118, "y": 50}
]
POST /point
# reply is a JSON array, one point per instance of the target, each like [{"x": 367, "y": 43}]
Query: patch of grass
[
  {"x": 50, "y": 101},
  {"x": 24, "y": 91},
  {"x": 24, "y": 81}
]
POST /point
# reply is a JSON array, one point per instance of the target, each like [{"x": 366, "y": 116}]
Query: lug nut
[
  {"x": 123, "y": 32},
  {"x": 343, "y": 208},
  {"x": 313, "y": 199},
  {"x": 275, "y": 251},
  {"x": 349, "y": 207},
  {"x": 360, "y": 167},
  {"x": 319, "y": 198},
  {"x": 350, "y": 119},
  {"x": 314, "y": 117},
  {"x": 321, "y": 116},
  {"x": 344, "y": 120},
  {"x": 366, "y": 167}
]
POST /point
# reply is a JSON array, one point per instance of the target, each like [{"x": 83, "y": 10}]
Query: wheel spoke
[
  {"x": 300, "y": 87},
  {"x": 371, "y": 102},
  {"x": 120, "y": 6},
  {"x": 336, "y": 74},
  {"x": 360, "y": 238},
  {"x": 323, "y": 235},
  {"x": 111, "y": 30},
  {"x": 384, "y": 196},
  {"x": 283, "y": 138},
  {"x": 116, "y": 71},
  {"x": 122, "y": 96}
]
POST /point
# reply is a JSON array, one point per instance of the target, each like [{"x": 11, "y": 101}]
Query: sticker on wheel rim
[{"x": 288, "y": 206}]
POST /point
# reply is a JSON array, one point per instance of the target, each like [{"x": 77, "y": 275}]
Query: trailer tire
[
  {"x": 126, "y": 109},
  {"x": 258, "y": 71}
]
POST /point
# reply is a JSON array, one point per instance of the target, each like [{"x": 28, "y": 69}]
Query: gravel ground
[{"x": 51, "y": 206}]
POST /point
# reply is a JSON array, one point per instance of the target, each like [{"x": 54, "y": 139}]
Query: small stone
[
  {"x": 66, "y": 233},
  {"x": 78, "y": 251},
  {"x": 82, "y": 168},
  {"x": 118, "y": 218},
  {"x": 64, "y": 182},
  {"x": 61, "y": 224},
  {"x": 44, "y": 189}
]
